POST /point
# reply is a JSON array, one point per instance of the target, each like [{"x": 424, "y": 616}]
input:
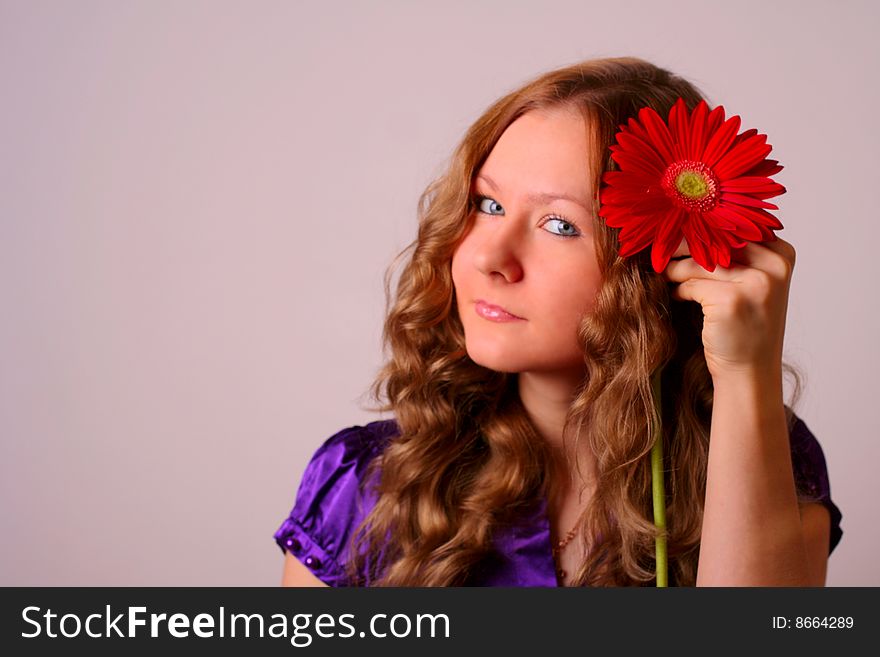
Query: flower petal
[
  {"x": 678, "y": 126},
  {"x": 719, "y": 246},
  {"x": 720, "y": 141},
  {"x": 741, "y": 137},
  {"x": 633, "y": 209},
  {"x": 697, "y": 139},
  {"x": 718, "y": 220},
  {"x": 753, "y": 185},
  {"x": 660, "y": 137},
  {"x": 698, "y": 246},
  {"x": 721, "y": 254},
  {"x": 714, "y": 121},
  {"x": 637, "y": 202},
  {"x": 638, "y": 130},
  {"x": 635, "y": 237},
  {"x": 636, "y": 147},
  {"x": 615, "y": 218},
  {"x": 743, "y": 157},
  {"x": 758, "y": 216},
  {"x": 743, "y": 199},
  {"x": 765, "y": 168},
  {"x": 627, "y": 179},
  {"x": 745, "y": 228},
  {"x": 668, "y": 238},
  {"x": 633, "y": 161},
  {"x": 629, "y": 182},
  {"x": 629, "y": 248}
]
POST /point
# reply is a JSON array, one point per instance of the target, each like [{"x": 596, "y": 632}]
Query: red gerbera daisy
[{"x": 695, "y": 179}]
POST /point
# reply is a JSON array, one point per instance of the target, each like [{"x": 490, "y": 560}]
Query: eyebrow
[{"x": 539, "y": 197}]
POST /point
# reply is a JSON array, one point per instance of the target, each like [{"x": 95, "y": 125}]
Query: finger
[
  {"x": 704, "y": 291},
  {"x": 776, "y": 257},
  {"x": 678, "y": 271}
]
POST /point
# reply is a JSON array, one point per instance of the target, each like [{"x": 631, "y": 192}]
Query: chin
[
  {"x": 497, "y": 360},
  {"x": 513, "y": 361}
]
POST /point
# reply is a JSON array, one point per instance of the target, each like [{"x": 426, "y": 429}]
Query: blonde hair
[{"x": 467, "y": 459}]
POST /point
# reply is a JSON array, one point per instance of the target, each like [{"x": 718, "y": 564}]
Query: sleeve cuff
[{"x": 292, "y": 538}]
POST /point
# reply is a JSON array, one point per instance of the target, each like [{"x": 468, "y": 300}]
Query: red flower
[{"x": 695, "y": 179}]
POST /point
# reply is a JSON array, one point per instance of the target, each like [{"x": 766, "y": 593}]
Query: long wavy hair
[{"x": 467, "y": 459}]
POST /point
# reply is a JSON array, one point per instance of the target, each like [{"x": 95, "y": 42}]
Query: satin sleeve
[
  {"x": 811, "y": 475},
  {"x": 330, "y": 502}
]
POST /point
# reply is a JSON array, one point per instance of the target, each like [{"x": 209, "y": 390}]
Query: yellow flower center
[{"x": 691, "y": 184}]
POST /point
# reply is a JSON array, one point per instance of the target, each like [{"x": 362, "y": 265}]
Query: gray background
[{"x": 198, "y": 201}]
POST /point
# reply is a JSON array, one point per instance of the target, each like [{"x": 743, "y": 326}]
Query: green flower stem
[{"x": 657, "y": 484}]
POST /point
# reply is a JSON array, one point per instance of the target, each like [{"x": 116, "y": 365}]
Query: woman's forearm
[{"x": 752, "y": 533}]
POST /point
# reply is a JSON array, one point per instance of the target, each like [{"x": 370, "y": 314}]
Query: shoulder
[
  {"x": 348, "y": 451},
  {"x": 333, "y": 498},
  {"x": 811, "y": 474}
]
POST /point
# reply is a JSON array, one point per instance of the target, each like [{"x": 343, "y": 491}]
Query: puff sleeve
[
  {"x": 330, "y": 502},
  {"x": 811, "y": 475}
]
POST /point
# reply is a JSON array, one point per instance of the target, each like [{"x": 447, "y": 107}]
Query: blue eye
[
  {"x": 493, "y": 207},
  {"x": 481, "y": 200},
  {"x": 567, "y": 229}
]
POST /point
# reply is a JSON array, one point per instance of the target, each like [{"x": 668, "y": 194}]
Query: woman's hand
[{"x": 744, "y": 306}]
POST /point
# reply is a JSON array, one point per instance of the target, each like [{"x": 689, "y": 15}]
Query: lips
[{"x": 494, "y": 313}]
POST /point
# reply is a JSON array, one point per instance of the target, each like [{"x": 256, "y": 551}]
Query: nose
[{"x": 499, "y": 252}]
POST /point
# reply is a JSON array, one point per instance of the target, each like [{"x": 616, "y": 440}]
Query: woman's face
[{"x": 528, "y": 253}]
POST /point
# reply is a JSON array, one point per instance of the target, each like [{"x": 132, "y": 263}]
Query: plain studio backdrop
[{"x": 198, "y": 201}]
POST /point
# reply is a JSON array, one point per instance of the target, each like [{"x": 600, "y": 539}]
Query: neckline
[
  {"x": 546, "y": 543},
  {"x": 531, "y": 557}
]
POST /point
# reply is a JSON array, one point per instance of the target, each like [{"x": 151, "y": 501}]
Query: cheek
[
  {"x": 571, "y": 293},
  {"x": 568, "y": 312},
  {"x": 458, "y": 265},
  {"x": 456, "y": 272}
]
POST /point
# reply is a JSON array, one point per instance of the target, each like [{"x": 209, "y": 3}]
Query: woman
[{"x": 522, "y": 347}]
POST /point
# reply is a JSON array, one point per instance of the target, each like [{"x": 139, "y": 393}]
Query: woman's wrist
[{"x": 767, "y": 379}]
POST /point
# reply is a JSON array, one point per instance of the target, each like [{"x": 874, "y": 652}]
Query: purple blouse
[{"x": 329, "y": 507}]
